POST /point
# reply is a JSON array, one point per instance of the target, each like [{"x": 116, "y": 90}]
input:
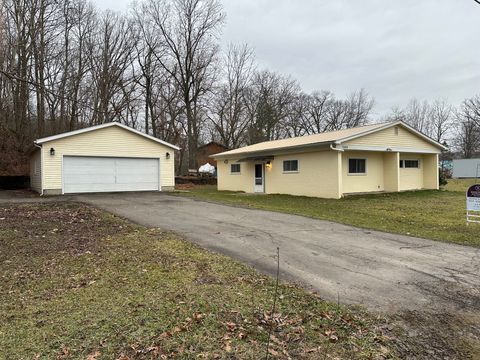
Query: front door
[{"x": 259, "y": 178}]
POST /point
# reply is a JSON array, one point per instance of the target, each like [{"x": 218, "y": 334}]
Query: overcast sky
[{"x": 396, "y": 50}]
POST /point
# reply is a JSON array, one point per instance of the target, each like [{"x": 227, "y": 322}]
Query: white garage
[{"x": 105, "y": 158}]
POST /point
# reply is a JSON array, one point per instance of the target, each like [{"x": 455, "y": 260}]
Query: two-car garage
[
  {"x": 83, "y": 174},
  {"x": 105, "y": 158}
]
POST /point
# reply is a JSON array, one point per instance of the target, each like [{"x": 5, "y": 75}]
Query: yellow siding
[
  {"x": 430, "y": 171},
  {"x": 412, "y": 178},
  {"x": 235, "y": 182},
  {"x": 387, "y": 138},
  {"x": 391, "y": 171},
  {"x": 36, "y": 171},
  {"x": 317, "y": 175},
  {"x": 371, "y": 181},
  {"x": 111, "y": 141}
]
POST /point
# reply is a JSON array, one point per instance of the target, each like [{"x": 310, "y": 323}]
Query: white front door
[
  {"x": 84, "y": 174},
  {"x": 259, "y": 178}
]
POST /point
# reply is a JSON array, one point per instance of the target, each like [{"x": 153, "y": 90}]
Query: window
[
  {"x": 357, "y": 166},
  {"x": 235, "y": 168},
  {"x": 412, "y": 164},
  {"x": 290, "y": 165}
]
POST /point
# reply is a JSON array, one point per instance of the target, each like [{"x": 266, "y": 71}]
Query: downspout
[{"x": 41, "y": 167}]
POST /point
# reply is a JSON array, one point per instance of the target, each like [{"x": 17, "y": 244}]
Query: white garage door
[{"x": 83, "y": 174}]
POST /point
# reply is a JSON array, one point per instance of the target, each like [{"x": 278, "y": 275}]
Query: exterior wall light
[
  {"x": 268, "y": 165},
  {"x": 225, "y": 161},
  {"x": 167, "y": 155},
  {"x": 52, "y": 151}
]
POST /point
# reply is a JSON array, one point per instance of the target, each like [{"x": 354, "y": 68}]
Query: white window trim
[
  {"x": 293, "y": 171},
  {"x": 236, "y": 173},
  {"x": 357, "y": 174}
]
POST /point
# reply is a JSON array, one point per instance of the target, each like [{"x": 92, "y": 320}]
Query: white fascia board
[
  {"x": 387, "y": 149},
  {"x": 102, "y": 126},
  {"x": 276, "y": 151}
]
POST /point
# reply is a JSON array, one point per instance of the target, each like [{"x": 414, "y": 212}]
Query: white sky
[{"x": 396, "y": 50}]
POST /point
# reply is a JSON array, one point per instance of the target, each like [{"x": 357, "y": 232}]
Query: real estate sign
[{"x": 473, "y": 204}]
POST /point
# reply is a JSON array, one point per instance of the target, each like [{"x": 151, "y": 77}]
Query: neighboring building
[
  {"x": 466, "y": 168},
  {"x": 381, "y": 157},
  {"x": 105, "y": 158},
  {"x": 205, "y": 152}
]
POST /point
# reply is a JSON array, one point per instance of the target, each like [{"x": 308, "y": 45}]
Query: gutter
[
  {"x": 41, "y": 167},
  {"x": 334, "y": 147}
]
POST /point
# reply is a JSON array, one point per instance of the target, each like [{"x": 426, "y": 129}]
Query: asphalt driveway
[{"x": 381, "y": 271}]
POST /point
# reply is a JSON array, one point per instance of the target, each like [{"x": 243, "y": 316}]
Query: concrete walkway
[{"x": 381, "y": 271}]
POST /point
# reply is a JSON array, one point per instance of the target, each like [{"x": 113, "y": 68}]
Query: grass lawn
[
  {"x": 77, "y": 282},
  {"x": 438, "y": 215},
  {"x": 460, "y": 185}
]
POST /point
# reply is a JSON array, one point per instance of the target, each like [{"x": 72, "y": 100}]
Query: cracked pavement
[{"x": 381, "y": 271}]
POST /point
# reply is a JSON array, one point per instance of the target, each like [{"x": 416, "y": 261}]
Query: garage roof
[
  {"x": 102, "y": 126},
  {"x": 331, "y": 137}
]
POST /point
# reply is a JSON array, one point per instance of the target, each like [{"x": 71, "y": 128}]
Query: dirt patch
[
  {"x": 426, "y": 335},
  {"x": 54, "y": 227},
  {"x": 186, "y": 186}
]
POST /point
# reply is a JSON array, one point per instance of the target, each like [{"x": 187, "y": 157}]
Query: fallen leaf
[{"x": 94, "y": 355}]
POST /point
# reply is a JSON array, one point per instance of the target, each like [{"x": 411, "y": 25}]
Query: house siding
[
  {"x": 412, "y": 178},
  {"x": 112, "y": 142},
  {"x": 235, "y": 182},
  {"x": 388, "y": 138},
  {"x": 372, "y": 180},
  {"x": 317, "y": 175},
  {"x": 36, "y": 171}
]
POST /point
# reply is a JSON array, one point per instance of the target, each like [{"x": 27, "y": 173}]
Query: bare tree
[
  {"x": 229, "y": 111},
  {"x": 433, "y": 119},
  {"x": 188, "y": 30},
  {"x": 359, "y": 105},
  {"x": 471, "y": 109},
  {"x": 110, "y": 66},
  {"x": 317, "y": 109},
  {"x": 467, "y": 139},
  {"x": 441, "y": 119},
  {"x": 269, "y": 101}
]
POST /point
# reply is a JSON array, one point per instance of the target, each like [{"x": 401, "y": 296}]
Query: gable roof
[
  {"x": 103, "y": 126},
  {"x": 330, "y": 137}
]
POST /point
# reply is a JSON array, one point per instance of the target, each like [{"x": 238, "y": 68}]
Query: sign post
[{"x": 473, "y": 204}]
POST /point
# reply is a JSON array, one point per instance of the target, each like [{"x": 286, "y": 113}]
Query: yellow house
[
  {"x": 383, "y": 157},
  {"x": 105, "y": 158}
]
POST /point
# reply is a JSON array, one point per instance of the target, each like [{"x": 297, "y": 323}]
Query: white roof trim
[
  {"x": 102, "y": 126},
  {"x": 387, "y": 149},
  {"x": 388, "y": 125}
]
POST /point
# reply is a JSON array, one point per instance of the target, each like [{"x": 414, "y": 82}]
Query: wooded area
[{"x": 160, "y": 68}]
